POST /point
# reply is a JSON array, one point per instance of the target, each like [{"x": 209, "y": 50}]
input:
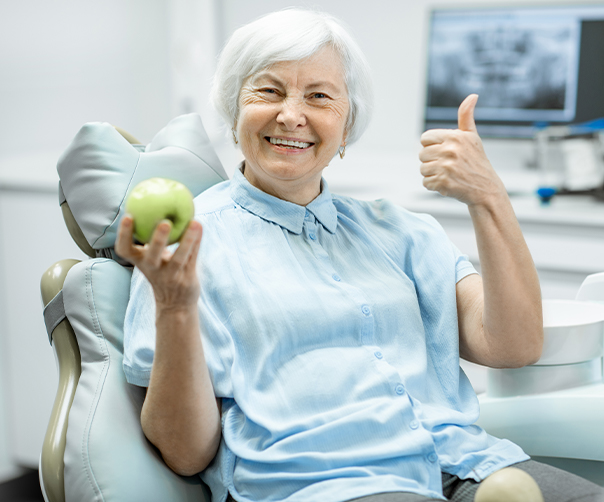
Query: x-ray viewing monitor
[{"x": 531, "y": 66}]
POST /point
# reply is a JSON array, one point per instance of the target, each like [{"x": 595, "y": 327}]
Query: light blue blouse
[{"x": 330, "y": 333}]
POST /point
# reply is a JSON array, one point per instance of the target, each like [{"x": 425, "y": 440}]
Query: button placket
[
  {"x": 367, "y": 326},
  {"x": 310, "y": 226}
]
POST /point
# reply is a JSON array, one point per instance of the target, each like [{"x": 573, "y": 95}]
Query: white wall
[
  {"x": 64, "y": 63},
  {"x": 67, "y": 62}
]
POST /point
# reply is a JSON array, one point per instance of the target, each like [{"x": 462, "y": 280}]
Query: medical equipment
[
  {"x": 570, "y": 160},
  {"x": 530, "y": 64}
]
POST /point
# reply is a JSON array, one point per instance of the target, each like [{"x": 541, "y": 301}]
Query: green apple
[{"x": 158, "y": 199}]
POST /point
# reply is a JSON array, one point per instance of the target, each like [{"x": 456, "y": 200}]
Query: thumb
[{"x": 465, "y": 114}]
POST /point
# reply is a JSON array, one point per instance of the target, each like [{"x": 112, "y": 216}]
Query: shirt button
[
  {"x": 433, "y": 457},
  {"x": 378, "y": 354},
  {"x": 312, "y": 236},
  {"x": 366, "y": 310},
  {"x": 336, "y": 277},
  {"x": 414, "y": 424},
  {"x": 399, "y": 389}
]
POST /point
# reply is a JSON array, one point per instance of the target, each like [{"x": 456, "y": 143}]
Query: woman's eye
[
  {"x": 319, "y": 95},
  {"x": 269, "y": 91}
]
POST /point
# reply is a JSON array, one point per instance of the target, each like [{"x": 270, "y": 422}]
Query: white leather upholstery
[
  {"x": 100, "y": 167},
  {"x": 107, "y": 457}
]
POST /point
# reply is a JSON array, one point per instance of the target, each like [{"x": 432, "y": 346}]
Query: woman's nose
[{"x": 291, "y": 114}]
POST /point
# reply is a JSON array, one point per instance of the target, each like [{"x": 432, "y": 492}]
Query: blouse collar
[{"x": 285, "y": 214}]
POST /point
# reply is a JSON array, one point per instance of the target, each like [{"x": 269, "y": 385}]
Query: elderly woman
[{"x": 308, "y": 348}]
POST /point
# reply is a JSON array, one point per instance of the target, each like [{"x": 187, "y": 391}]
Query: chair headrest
[{"x": 100, "y": 167}]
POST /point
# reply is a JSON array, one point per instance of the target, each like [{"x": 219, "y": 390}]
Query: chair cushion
[
  {"x": 100, "y": 167},
  {"x": 107, "y": 457}
]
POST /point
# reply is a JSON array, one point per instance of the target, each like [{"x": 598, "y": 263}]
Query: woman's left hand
[
  {"x": 500, "y": 320},
  {"x": 454, "y": 163}
]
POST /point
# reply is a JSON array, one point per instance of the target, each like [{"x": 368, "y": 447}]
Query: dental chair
[
  {"x": 94, "y": 449},
  {"x": 554, "y": 409}
]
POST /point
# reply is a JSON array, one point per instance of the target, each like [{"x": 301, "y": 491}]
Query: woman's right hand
[{"x": 171, "y": 274}]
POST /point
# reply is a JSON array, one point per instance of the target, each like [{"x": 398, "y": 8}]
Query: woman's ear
[
  {"x": 234, "y": 131},
  {"x": 344, "y": 136}
]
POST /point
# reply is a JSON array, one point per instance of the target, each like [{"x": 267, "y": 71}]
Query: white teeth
[{"x": 297, "y": 144}]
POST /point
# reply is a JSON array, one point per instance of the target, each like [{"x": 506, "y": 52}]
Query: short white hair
[{"x": 292, "y": 35}]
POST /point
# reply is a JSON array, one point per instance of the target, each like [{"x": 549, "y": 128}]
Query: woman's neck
[{"x": 301, "y": 192}]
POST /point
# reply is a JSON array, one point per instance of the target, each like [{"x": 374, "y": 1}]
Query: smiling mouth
[{"x": 286, "y": 143}]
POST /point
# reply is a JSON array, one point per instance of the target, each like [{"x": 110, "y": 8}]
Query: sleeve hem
[
  {"x": 140, "y": 378},
  {"x": 464, "y": 270}
]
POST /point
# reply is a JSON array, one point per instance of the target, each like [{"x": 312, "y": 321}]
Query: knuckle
[{"x": 451, "y": 151}]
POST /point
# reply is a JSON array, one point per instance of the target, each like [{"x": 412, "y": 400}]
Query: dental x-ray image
[{"x": 521, "y": 68}]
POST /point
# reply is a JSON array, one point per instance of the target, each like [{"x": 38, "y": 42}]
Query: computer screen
[{"x": 530, "y": 66}]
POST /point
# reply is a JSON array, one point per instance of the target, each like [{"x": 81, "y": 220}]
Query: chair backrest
[{"x": 94, "y": 448}]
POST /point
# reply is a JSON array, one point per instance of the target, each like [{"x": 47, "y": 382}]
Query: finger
[
  {"x": 434, "y": 136},
  {"x": 188, "y": 243},
  {"x": 465, "y": 114},
  {"x": 428, "y": 182},
  {"x": 430, "y": 153},
  {"x": 194, "y": 252},
  {"x": 158, "y": 243},
  {"x": 428, "y": 168},
  {"x": 123, "y": 244},
  {"x": 434, "y": 183}
]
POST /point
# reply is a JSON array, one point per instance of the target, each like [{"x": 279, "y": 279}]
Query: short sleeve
[
  {"x": 139, "y": 331},
  {"x": 463, "y": 265}
]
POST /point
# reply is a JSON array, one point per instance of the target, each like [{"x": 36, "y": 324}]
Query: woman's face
[{"x": 304, "y": 102}]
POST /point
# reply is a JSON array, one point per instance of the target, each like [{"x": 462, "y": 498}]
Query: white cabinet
[{"x": 32, "y": 237}]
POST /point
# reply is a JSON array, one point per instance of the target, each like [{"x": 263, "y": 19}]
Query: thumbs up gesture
[{"x": 454, "y": 163}]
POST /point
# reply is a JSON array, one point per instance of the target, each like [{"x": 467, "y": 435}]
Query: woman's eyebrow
[
  {"x": 323, "y": 84},
  {"x": 266, "y": 76}
]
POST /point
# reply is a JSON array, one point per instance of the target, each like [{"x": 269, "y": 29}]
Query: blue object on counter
[
  {"x": 545, "y": 194},
  {"x": 588, "y": 127}
]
